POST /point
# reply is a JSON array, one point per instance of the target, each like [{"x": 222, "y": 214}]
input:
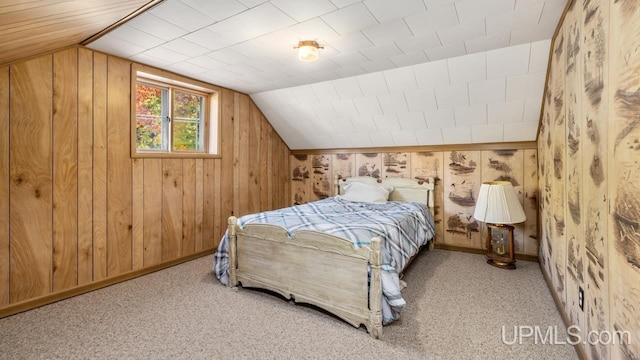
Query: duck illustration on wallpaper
[
  {"x": 461, "y": 184},
  {"x": 502, "y": 165},
  {"x": 369, "y": 164},
  {"x": 396, "y": 164},
  {"x": 509, "y": 165},
  {"x": 461, "y": 189},
  {"x": 595, "y": 187},
  {"x": 624, "y": 209},
  {"x": 300, "y": 175},
  {"x": 300, "y": 172},
  {"x": 424, "y": 165},
  {"x": 344, "y": 165},
  {"x": 462, "y": 224},
  {"x": 321, "y": 179}
]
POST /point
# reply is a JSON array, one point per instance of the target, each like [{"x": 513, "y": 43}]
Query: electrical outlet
[{"x": 581, "y": 298}]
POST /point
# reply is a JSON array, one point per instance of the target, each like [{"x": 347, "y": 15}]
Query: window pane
[
  {"x": 149, "y": 124},
  {"x": 188, "y": 121}
]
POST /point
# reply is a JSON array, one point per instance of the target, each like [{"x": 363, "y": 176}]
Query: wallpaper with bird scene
[
  {"x": 457, "y": 174},
  {"x": 589, "y": 171}
]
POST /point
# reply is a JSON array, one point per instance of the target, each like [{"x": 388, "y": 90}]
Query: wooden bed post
[
  {"x": 233, "y": 261},
  {"x": 375, "y": 290},
  {"x": 336, "y": 184},
  {"x": 430, "y": 200}
]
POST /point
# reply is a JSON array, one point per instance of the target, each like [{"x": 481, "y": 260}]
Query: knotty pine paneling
[
  {"x": 152, "y": 213},
  {"x": 280, "y": 195},
  {"x": 32, "y": 27},
  {"x": 119, "y": 182},
  {"x": 77, "y": 207},
  {"x": 85, "y": 166},
  {"x": 65, "y": 169},
  {"x": 209, "y": 203},
  {"x": 188, "y": 207},
  {"x": 253, "y": 162},
  {"x": 4, "y": 186},
  {"x": 99, "y": 166},
  {"x": 265, "y": 160},
  {"x": 227, "y": 173},
  {"x": 199, "y": 204},
  {"x": 272, "y": 179},
  {"x": 280, "y": 160},
  {"x": 283, "y": 159},
  {"x": 30, "y": 174},
  {"x": 215, "y": 196},
  {"x": 235, "y": 118},
  {"x": 172, "y": 182},
  {"x": 137, "y": 231},
  {"x": 243, "y": 144}
]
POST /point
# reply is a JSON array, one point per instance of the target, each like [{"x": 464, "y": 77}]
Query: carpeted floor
[{"x": 457, "y": 308}]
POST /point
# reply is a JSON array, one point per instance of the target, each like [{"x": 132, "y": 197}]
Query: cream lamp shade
[{"x": 498, "y": 204}]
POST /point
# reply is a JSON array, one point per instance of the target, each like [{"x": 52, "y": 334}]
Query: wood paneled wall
[
  {"x": 76, "y": 209},
  {"x": 588, "y": 166},
  {"x": 458, "y": 173}
]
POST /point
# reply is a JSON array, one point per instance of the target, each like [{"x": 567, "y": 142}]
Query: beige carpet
[{"x": 456, "y": 308}]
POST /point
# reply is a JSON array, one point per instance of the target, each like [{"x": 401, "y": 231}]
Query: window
[{"x": 173, "y": 118}]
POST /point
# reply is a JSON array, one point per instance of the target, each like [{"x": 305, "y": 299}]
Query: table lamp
[{"x": 498, "y": 206}]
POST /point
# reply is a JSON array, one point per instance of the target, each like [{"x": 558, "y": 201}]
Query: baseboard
[
  {"x": 51, "y": 298},
  {"x": 481, "y": 251},
  {"x": 459, "y": 248},
  {"x": 565, "y": 318}
]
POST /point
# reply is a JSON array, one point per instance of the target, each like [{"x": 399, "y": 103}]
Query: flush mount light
[{"x": 308, "y": 50}]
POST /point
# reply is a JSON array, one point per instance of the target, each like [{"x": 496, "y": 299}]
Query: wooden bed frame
[{"x": 317, "y": 268}]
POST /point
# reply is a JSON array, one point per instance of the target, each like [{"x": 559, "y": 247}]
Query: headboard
[{"x": 404, "y": 189}]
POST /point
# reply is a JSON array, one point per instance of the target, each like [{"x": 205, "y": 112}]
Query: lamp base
[
  {"x": 500, "y": 246},
  {"x": 502, "y": 265}
]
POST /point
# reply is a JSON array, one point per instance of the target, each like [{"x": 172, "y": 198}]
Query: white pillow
[{"x": 367, "y": 192}]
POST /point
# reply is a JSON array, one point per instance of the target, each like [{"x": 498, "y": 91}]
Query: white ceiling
[{"x": 392, "y": 73}]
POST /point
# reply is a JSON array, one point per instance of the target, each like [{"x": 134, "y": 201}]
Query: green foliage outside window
[
  {"x": 187, "y": 109},
  {"x": 148, "y": 117},
  {"x": 187, "y": 119}
]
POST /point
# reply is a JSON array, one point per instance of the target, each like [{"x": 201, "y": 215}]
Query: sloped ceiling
[
  {"x": 33, "y": 27},
  {"x": 392, "y": 73}
]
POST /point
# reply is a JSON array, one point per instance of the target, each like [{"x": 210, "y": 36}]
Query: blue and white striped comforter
[{"x": 402, "y": 226}]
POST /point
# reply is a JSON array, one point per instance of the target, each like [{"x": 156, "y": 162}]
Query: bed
[{"x": 340, "y": 253}]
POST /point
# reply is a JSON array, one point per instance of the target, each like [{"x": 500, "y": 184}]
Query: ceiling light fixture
[{"x": 308, "y": 50}]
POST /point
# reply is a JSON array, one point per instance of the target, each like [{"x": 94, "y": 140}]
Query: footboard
[{"x": 311, "y": 267}]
